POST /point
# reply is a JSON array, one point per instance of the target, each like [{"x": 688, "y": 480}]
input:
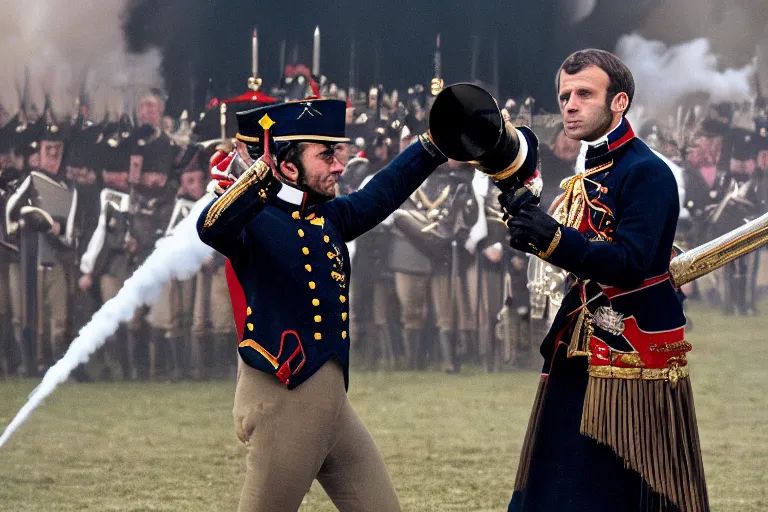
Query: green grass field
[{"x": 451, "y": 442}]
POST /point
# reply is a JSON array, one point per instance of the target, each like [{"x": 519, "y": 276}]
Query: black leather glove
[
  {"x": 533, "y": 231},
  {"x": 511, "y": 200}
]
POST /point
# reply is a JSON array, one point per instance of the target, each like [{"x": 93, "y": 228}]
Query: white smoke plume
[
  {"x": 666, "y": 74},
  {"x": 65, "y": 45},
  {"x": 178, "y": 256}
]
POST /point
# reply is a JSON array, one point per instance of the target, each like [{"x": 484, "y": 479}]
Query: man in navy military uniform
[
  {"x": 285, "y": 233},
  {"x": 613, "y": 425}
]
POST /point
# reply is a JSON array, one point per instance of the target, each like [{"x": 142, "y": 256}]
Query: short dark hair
[
  {"x": 291, "y": 153},
  {"x": 619, "y": 76}
]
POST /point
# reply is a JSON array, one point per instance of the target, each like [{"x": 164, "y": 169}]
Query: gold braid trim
[
  {"x": 552, "y": 245},
  {"x": 506, "y": 173},
  {"x": 261, "y": 350},
  {"x": 673, "y": 374},
  {"x": 678, "y": 346},
  {"x": 255, "y": 173},
  {"x": 517, "y": 163},
  {"x": 246, "y": 138},
  {"x": 582, "y": 333}
]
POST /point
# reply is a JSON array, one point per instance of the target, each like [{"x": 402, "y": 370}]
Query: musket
[
  {"x": 352, "y": 84},
  {"x": 437, "y": 82},
  {"x": 192, "y": 88},
  {"x": 254, "y": 82},
  {"x": 281, "y": 74},
  {"x": 23, "y": 93},
  {"x": 316, "y": 53},
  {"x": 759, "y": 98},
  {"x": 495, "y": 57},
  {"x": 255, "y": 53},
  {"x": 28, "y": 258},
  {"x": 377, "y": 61},
  {"x": 716, "y": 253},
  {"x": 473, "y": 60}
]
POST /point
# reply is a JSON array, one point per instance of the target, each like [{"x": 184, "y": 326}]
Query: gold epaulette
[{"x": 255, "y": 173}]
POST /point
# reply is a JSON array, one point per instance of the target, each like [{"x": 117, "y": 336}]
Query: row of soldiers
[
  {"x": 435, "y": 285},
  {"x": 723, "y": 167},
  {"x": 84, "y": 205}
]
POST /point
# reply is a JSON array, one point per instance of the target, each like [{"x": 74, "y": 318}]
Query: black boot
[
  {"x": 372, "y": 347},
  {"x": 196, "y": 369},
  {"x": 225, "y": 358},
  {"x": 467, "y": 350},
  {"x": 740, "y": 292},
  {"x": 130, "y": 367},
  {"x": 385, "y": 346},
  {"x": 173, "y": 358},
  {"x": 28, "y": 366},
  {"x": 412, "y": 348},
  {"x": 11, "y": 349},
  {"x": 358, "y": 350},
  {"x": 155, "y": 342},
  {"x": 448, "y": 351}
]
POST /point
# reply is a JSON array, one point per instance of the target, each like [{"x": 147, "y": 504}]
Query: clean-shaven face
[{"x": 583, "y": 102}]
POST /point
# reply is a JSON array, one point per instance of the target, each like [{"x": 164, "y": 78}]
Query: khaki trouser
[
  {"x": 490, "y": 303},
  {"x": 412, "y": 292},
  {"x": 113, "y": 350},
  {"x": 212, "y": 290},
  {"x": 172, "y": 312},
  {"x": 295, "y": 436},
  {"x": 6, "y": 343},
  {"x": 51, "y": 285},
  {"x": 373, "y": 301},
  {"x": 109, "y": 286},
  {"x": 5, "y": 292}
]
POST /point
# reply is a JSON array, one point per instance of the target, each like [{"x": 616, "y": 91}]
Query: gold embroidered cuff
[{"x": 552, "y": 245}]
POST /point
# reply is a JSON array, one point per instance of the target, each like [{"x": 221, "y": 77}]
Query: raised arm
[{"x": 388, "y": 189}]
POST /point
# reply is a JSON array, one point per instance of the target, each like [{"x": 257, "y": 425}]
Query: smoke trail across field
[{"x": 178, "y": 256}]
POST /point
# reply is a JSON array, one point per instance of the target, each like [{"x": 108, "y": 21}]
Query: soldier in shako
[
  {"x": 52, "y": 219},
  {"x": 285, "y": 234}
]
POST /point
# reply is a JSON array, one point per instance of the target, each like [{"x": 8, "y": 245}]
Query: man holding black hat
[
  {"x": 616, "y": 354},
  {"x": 285, "y": 234}
]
